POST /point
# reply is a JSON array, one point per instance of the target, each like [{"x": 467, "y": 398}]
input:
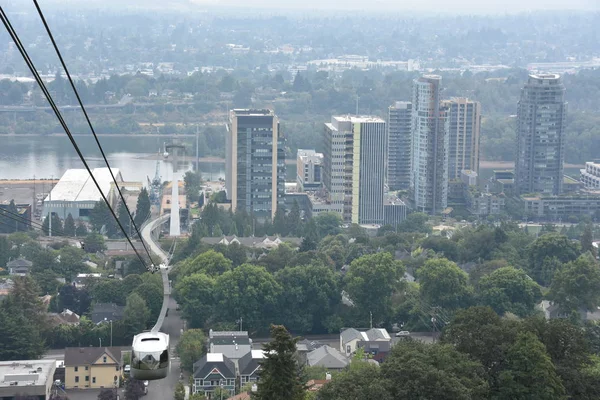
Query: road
[{"x": 172, "y": 325}]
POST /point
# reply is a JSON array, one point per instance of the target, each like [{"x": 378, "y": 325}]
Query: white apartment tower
[
  {"x": 354, "y": 167},
  {"x": 464, "y": 125}
]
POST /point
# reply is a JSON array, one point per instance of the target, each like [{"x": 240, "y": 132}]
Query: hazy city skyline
[{"x": 430, "y": 6}]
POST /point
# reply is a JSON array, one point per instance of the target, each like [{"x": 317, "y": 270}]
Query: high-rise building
[
  {"x": 354, "y": 163},
  {"x": 464, "y": 124},
  {"x": 429, "y": 178},
  {"x": 399, "y": 145},
  {"x": 255, "y": 162},
  {"x": 309, "y": 170},
  {"x": 541, "y": 116}
]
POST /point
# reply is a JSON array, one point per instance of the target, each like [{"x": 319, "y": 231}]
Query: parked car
[{"x": 402, "y": 333}]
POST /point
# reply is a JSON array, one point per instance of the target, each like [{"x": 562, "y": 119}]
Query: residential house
[
  {"x": 349, "y": 339},
  {"x": 105, "y": 312},
  {"x": 327, "y": 357},
  {"x": 82, "y": 280},
  {"x": 305, "y": 346},
  {"x": 378, "y": 343},
  {"x": 19, "y": 267},
  {"x": 266, "y": 242},
  {"x": 92, "y": 367},
  {"x": 374, "y": 341},
  {"x": 249, "y": 366},
  {"x": 212, "y": 371},
  {"x": 6, "y": 286},
  {"x": 232, "y": 344},
  {"x": 552, "y": 310},
  {"x": 66, "y": 317}
]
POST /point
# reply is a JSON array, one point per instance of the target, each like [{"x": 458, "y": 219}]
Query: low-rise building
[
  {"x": 212, "y": 371},
  {"x": 19, "y": 267},
  {"x": 266, "y": 242},
  {"x": 232, "y": 344},
  {"x": 374, "y": 341},
  {"x": 328, "y": 357},
  {"x": 105, "y": 312},
  {"x": 27, "y": 379},
  {"x": 590, "y": 175},
  {"x": 92, "y": 367},
  {"x": 483, "y": 204},
  {"x": 394, "y": 211},
  {"x": 309, "y": 170},
  {"x": 249, "y": 366},
  {"x": 561, "y": 207}
]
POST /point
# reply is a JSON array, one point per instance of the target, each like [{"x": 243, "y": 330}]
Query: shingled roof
[{"x": 88, "y": 355}]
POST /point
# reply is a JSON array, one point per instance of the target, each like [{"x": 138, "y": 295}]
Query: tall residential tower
[
  {"x": 541, "y": 116},
  {"x": 255, "y": 162},
  {"x": 399, "y": 145},
  {"x": 354, "y": 167},
  {"x": 464, "y": 124},
  {"x": 429, "y": 177}
]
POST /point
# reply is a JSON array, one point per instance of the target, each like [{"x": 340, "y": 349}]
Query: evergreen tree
[
  {"x": 587, "y": 240},
  {"x": 69, "y": 229},
  {"x": 124, "y": 219},
  {"x": 280, "y": 376},
  {"x": 9, "y": 222},
  {"x": 279, "y": 223},
  {"x": 57, "y": 229},
  {"x": 217, "y": 232},
  {"x": 81, "y": 230},
  {"x": 293, "y": 219},
  {"x": 142, "y": 210}
]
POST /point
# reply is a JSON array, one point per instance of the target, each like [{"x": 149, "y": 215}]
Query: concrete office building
[
  {"x": 541, "y": 117},
  {"x": 399, "y": 145},
  {"x": 464, "y": 125},
  {"x": 590, "y": 175},
  {"x": 27, "y": 379},
  {"x": 309, "y": 170},
  {"x": 255, "y": 162},
  {"x": 354, "y": 164},
  {"x": 429, "y": 178}
]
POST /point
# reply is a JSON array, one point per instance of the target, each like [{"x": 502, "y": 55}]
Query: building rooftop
[
  {"x": 77, "y": 185},
  {"x": 357, "y": 119},
  {"x": 252, "y": 112},
  {"x": 545, "y": 76},
  {"x": 75, "y": 356},
  {"x": 26, "y": 373}
]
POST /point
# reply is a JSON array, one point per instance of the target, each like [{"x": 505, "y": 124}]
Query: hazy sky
[{"x": 456, "y": 6}]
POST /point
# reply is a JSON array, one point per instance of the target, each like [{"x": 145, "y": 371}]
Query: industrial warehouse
[{"x": 76, "y": 194}]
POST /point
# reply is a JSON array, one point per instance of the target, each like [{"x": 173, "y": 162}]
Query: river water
[{"x": 22, "y": 157}]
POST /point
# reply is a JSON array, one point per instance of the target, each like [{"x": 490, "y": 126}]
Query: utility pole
[
  {"x": 197, "y": 156},
  {"x": 371, "y": 319},
  {"x": 50, "y": 201}
]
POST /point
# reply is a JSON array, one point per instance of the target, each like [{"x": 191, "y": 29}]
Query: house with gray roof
[
  {"x": 265, "y": 242},
  {"x": 327, "y": 357},
  {"x": 19, "y": 267},
  {"x": 249, "y": 366},
  {"x": 233, "y": 344},
  {"x": 92, "y": 367},
  {"x": 212, "y": 371},
  {"x": 349, "y": 339},
  {"x": 373, "y": 341},
  {"x": 105, "y": 312}
]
